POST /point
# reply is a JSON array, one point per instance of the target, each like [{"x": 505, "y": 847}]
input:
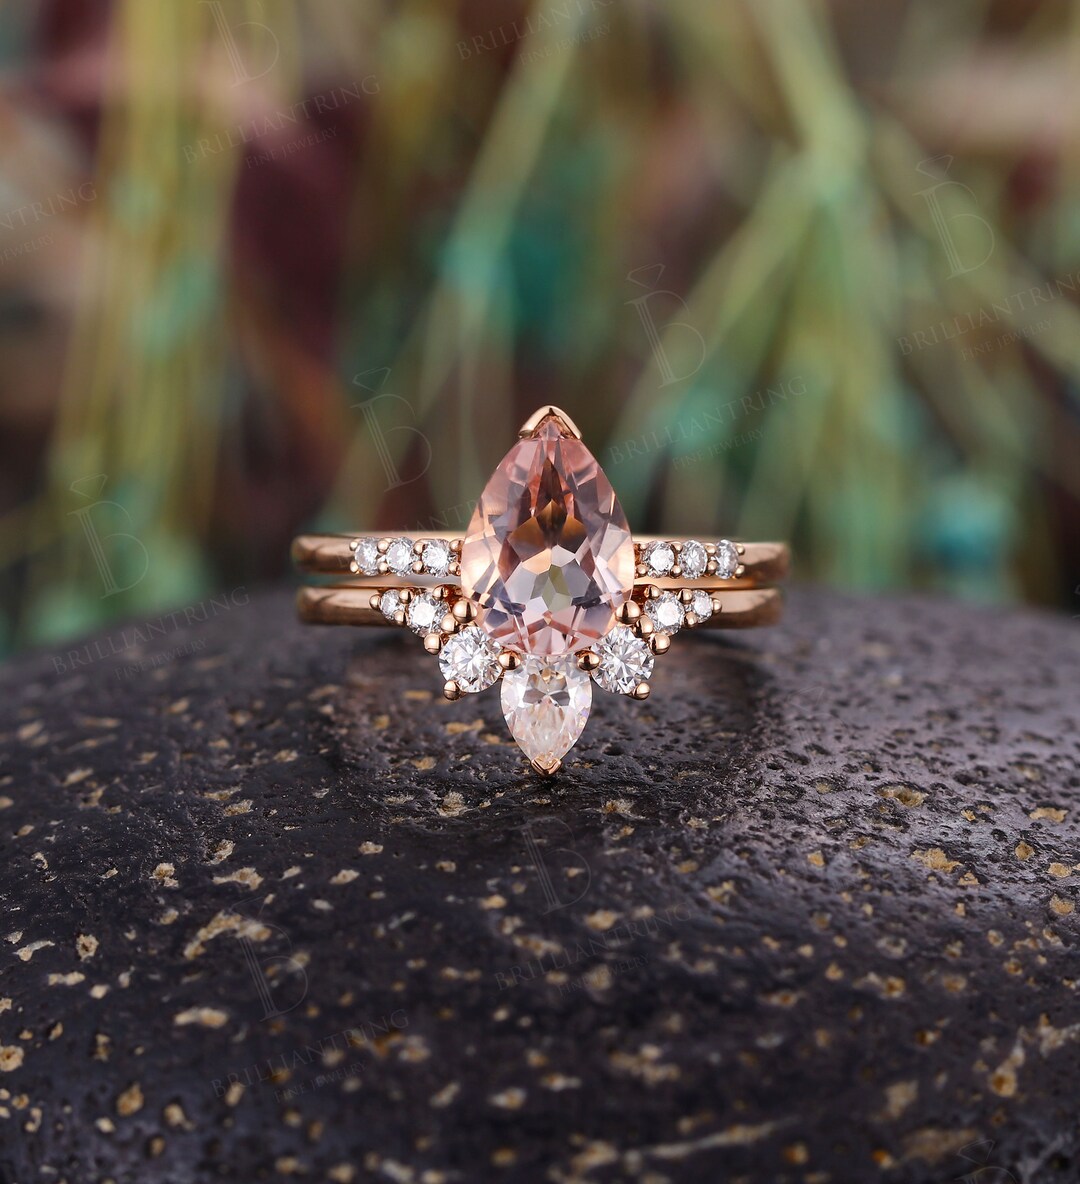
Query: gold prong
[
  {"x": 629, "y": 612},
  {"x": 449, "y": 624},
  {"x": 418, "y": 546},
  {"x": 383, "y": 567},
  {"x": 588, "y": 661},
  {"x": 399, "y": 617},
  {"x": 451, "y": 691},
  {"x": 353, "y": 568},
  {"x": 641, "y": 691},
  {"x": 464, "y": 610},
  {"x": 652, "y": 591},
  {"x": 690, "y": 620},
  {"x": 739, "y": 571},
  {"x": 406, "y": 595},
  {"x": 440, "y": 592},
  {"x": 456, "y": 545},
  {"x": 740, "y": 549},
  {"x": 509, "y": 659},
  {"x": 433, "y": 642},
  {"x": 417, "y": 567},
  {"x": 717, "y": 606},
  {"x": 641, "y": 569},
  {"x": 645, "y": 627},
  {"x": 547, "y": 768},
  {"x": 660, "y": 643},
  {"x": 382, "y": 546},
  {"x": 686, "y": 596},
  {"x": 528, "y": 428},
  {"x": 375, "y": 600}
]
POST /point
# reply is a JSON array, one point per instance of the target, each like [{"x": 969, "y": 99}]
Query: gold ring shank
[
  {"x": 331, "y": 554},
  {"x": 350, "y": 605}
]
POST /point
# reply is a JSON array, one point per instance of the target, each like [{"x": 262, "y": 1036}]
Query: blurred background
[{"x": 798, "y": 269}]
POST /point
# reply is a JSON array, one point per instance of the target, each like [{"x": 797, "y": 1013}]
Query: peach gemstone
[{"x": 548, "y": 558}]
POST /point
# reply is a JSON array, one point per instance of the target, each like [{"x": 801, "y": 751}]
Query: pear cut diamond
[
  {"x": 548, "y": 557},
  {"x": 546, "y": 702}
]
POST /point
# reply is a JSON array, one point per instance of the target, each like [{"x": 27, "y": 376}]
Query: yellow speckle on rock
[
  {"x": 369, "y": 848},
  {"x": 1061, "y": 906},
  {"x": 816, "y": 858},
  {"x": 243, "y": 807},
  {"x": 509, "y": 1099},
  {"x": 1050, "y": 813},
  {"x": 85, "y": 945},
  {"x": 495, "y": 901},
  {"x": 221, "y": 851},
  {"x": 1003, "y": 1081},
  {"x": 796, "y": 1153},
  {"x": 105, "y": 1125},
  {"x": 165, "y": 874},
  {"x": 247, "y": 876},
  {"x": 936, "y": 859},
  {"x": 130, "y": 1101},
  {"x": 345, "y": 876},
  {"x": 906, "y": 795},
  {"x": 452, "y": 804},
  {"x": 446, "y": 865},
  {"x": 174, "y": 1115},
  {"x": 341, "y": 1173},
  {"x": 457, "y": 727},
  {"x": 424, "y": 763},
  {"x": 11, "y": 1057},
  {"x": 1059, "y": 870},
  {"x": 601, "y": 919},
  {"x": 207, "y": 1017},
  {"x": 234, "y": 1093},
  {"x": 1024, "y": 850},
  {"x": 66, "y": 980},
  {"x": 27, "y": 952}
]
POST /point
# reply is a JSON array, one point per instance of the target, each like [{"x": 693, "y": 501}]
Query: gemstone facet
[
  {"x": 424, "y": 613},
  {"x": 399, "y": 556},
  {"x": 693, "y": 559},
  {"x": 548, "y": 556},
  {"x": 366, "y": 555},
  {"x": 659, "y": 558},
  {"x": 625, "y": 661},
  {"x": 390, "y": 601},
  {"x": 471, "y": 659},
  {"x": 546, "y": 702},
  {"x": 701, "y": 605}
]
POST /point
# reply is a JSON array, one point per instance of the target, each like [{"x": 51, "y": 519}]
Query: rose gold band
[
  {"x": 761, "y": 564},
  {"x": 351, "y": 605}
]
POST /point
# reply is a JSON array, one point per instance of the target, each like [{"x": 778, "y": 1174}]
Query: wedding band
[{"x": 546, "y": 592}]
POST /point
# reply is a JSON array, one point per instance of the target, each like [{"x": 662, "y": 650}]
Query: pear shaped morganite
[{"x": 548, "y": 558}]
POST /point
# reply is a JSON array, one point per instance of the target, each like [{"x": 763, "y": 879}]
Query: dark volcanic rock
[{"x": 272, "y": 910}]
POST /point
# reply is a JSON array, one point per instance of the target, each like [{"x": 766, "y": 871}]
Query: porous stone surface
[{"x": 273, "y": 910}]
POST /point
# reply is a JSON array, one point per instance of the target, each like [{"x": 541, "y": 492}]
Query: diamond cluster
[
  {"x": 404, "y": 557},
  {"x": 689, "y": 560}
]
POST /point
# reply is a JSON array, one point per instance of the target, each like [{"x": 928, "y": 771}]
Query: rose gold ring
[{"x": 547, "y": 590}]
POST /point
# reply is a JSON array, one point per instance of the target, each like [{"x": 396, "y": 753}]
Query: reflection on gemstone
[
  {"x": 546, "y": 703},
  {"x": 548, "y": 557}
]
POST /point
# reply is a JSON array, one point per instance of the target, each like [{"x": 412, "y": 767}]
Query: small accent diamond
[
  {"x": 471, "y": 659},
  {"x": 366, "y": 554},
  {"x": 666, "y": 612},
  {"x": 693, "y": 559},
  {"x": 727, "y": 559},
  {"x": 701, "y": 605},
  {"x": 625, "y": 661},
  {"x": 659, "y": 558},
  {"x": 437, "y": 557},
  {"x": 399, "y": 556},
  {"x": 390, "y": 602},
  {"x": 425, "y": 613}
]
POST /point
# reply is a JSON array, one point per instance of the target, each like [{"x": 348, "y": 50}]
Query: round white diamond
[
  {"x": 727, "y": 559},
  {"x": 366, "y": 554},
  {"x": 471, "y": 659},
  {"x": 399, "y": 556},
  {"x": 390, "y": 602},
  {"x": 625, "y": 660},
  {"x": 436, "y": 557},
  {"x": 666, "y": 612},
  {"x": 693, "y": 559},
  {"x": 425, "y": 613},
  {"x": 659, "y": 558},
  {"x": 701, "y": 605}
]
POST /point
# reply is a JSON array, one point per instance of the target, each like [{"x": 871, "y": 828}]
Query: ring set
[{"x": 547, "y": 591}]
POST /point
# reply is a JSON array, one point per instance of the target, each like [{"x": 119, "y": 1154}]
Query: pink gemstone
[{"x": 548, "y": 558}]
